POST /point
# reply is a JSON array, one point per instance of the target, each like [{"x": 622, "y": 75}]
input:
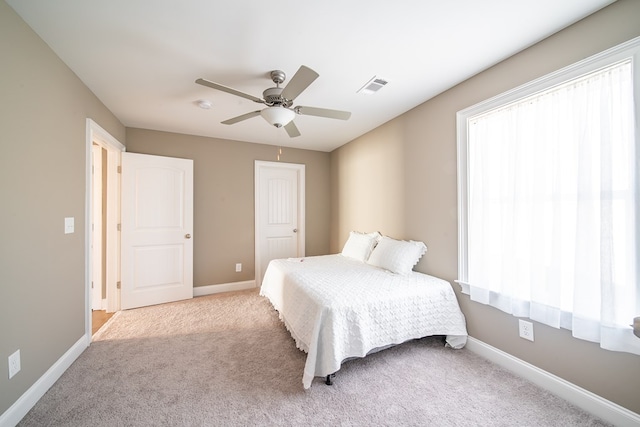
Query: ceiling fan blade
[
  {"x": 292, "y": 129},
  {"x": 241, "y": 118},
  {"x": 322, "y": 112},
  {"x": 299, "y": 82},
  {"x": 223, "y": 88}
]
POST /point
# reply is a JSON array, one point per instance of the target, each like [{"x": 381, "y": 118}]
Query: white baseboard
[
  {"x": 19, "y": 409},
  {"x": 584, "y": 399},
  {"x": 199, "y": 291}
]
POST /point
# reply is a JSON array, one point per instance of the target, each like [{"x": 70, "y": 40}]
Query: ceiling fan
[{"x": 279, "y": 111}]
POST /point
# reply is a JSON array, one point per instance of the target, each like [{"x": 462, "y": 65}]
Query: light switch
[{"x": 69, "y": 225}]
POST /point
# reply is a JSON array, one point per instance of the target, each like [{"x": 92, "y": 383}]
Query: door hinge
[
  {"x": 119, "y": 227},
  {"x": 119, "y": 169},
  {"x": 118, "y": 285}
]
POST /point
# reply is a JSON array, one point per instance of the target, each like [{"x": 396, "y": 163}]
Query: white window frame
[{"x": 629, "y": 49}]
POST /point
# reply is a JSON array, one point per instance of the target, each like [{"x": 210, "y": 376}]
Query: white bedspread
[{"x": 336, "y": 308}]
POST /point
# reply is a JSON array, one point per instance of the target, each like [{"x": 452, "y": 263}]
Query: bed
[{"x": 338, "y": 307}]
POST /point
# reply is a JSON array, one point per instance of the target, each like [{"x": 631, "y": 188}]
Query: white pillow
[
  {"x": 360, "y": 245},
  {"x": 397, "y": 256}
]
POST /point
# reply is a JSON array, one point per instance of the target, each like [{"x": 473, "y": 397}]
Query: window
[{"x": 549, "y": 202}]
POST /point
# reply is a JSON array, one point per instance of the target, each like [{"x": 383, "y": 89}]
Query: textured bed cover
[{"x": 336, "y": 308}]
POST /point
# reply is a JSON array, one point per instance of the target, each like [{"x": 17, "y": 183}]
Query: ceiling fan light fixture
[{"x": 277, "y": 116}]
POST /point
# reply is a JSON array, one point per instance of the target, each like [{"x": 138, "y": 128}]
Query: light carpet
[{"x": 227, "y": 360}]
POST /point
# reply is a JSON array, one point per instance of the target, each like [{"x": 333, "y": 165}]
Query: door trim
[
  {"x": 96, "y": 229},
  {"x": 96, "y": 134},
  {"x": 300, "y": 169}
]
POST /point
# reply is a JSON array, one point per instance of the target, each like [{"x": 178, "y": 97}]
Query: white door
[
  {"x": 157, "y": 227},
  {"x": 279, "y": 213}
]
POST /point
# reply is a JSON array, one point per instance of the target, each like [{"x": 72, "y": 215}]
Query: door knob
[
  {"x": 295, "y": 230},
  {"x": 187, "y": 236}
]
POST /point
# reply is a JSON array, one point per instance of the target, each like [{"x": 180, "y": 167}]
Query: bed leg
[{"x": 330, "y": 378}]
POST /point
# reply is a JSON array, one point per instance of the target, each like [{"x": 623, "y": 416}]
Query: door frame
[
  {"x": 96, "y": 134},
  {"x": 96, "y": 229},
  {"x": 300, "y": 169}
]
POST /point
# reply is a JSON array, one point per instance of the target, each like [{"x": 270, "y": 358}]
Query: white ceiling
[{"x": 141, "y": 57}]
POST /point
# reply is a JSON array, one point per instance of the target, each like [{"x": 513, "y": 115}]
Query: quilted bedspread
[{"x": 337, "y": 308}]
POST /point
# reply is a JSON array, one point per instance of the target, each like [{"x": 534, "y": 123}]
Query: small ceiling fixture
[
  {"x": 204, "y": 104},
  {"x": 372, "y": 86},
  {"x": 277, "y": 116}
]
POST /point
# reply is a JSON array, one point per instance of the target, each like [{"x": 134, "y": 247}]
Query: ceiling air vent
[{"x": 372, "y": 86}]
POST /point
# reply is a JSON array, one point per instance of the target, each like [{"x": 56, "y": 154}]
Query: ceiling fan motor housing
[{"x": 272, "y": 96}]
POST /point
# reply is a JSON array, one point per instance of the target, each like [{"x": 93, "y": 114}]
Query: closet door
[{"x": 279, "y": 213}]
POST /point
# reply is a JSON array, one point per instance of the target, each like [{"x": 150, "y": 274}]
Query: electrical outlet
[
  {"x": 14, "y": 364},
  {"x": 526, "y": 329},
  {"x": 238, "y": 267}
]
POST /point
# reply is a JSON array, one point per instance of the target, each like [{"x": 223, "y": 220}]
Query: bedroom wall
[
  {"x": 43, "y": 112},
  {"x": 427, "y": 208},
  {"x": 224, "y": 198},
  {"x": 367, "y": 185}
]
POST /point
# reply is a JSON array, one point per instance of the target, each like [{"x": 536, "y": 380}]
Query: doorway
[{"x": 102, "y": 213}]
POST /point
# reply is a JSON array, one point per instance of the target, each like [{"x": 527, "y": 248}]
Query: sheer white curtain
[{"x": 552, "y": 208}]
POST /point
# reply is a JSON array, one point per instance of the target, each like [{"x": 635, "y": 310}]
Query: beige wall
[
  {"x": 43, "y": 112},
  {"x": 367, "y": 185},
  {"x": 427, "y": 208},
  {"x": 224, "y": 198}
]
